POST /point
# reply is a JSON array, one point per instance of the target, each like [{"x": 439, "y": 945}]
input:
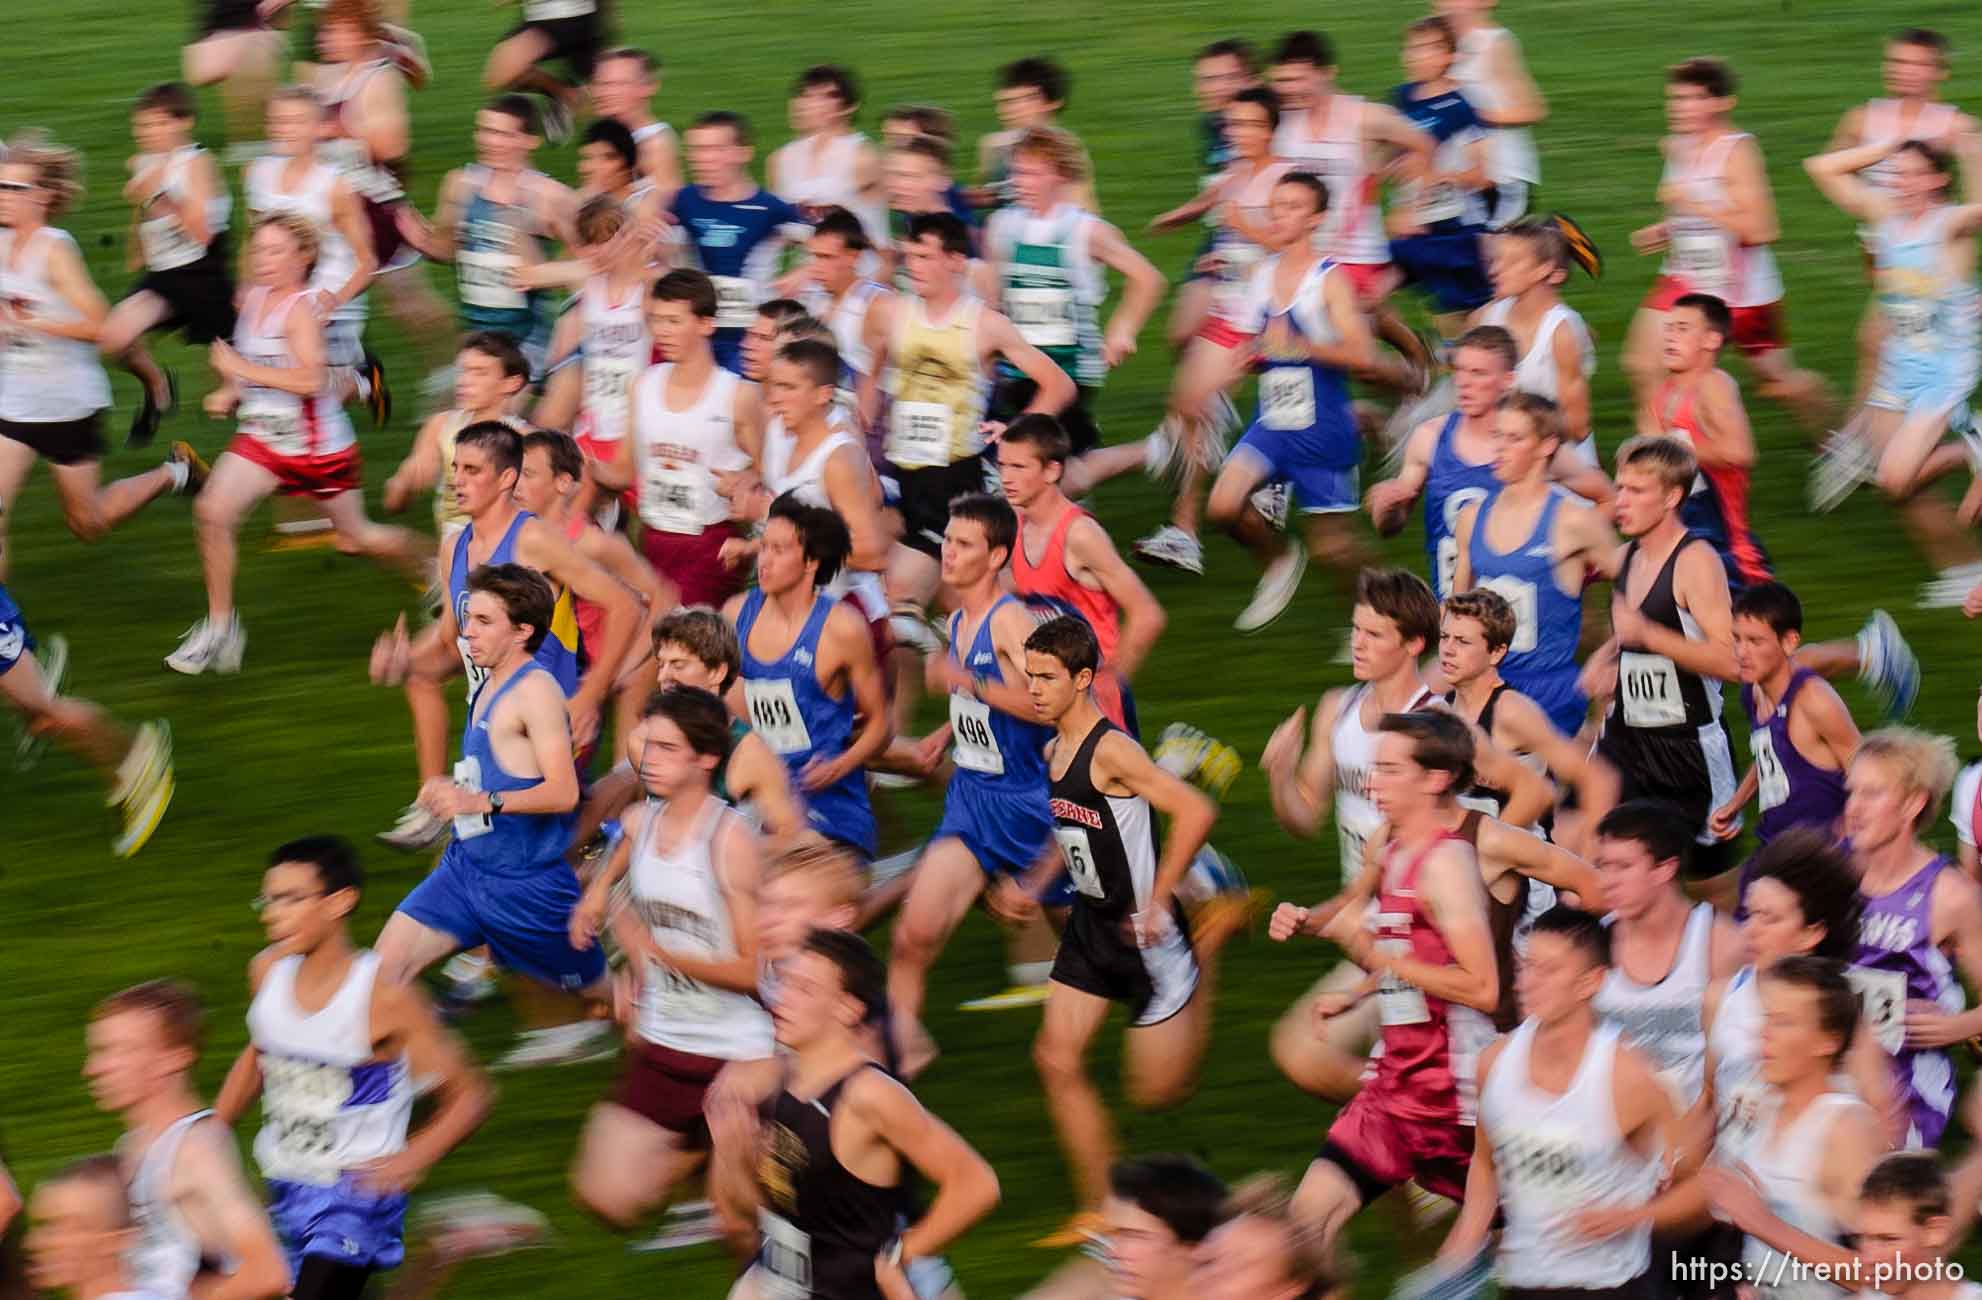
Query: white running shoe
[
  {"x": 1841, "y": 467},
  {"x": 150, "y": 754},
  {"x": 143, "y": 812},
  {"x": 470, "y": 978},
  {"x": 1159, "y": 449},
  {"x": 689, "y": 1223},
  {"x": 415, "y": 830},
  {"x": 208, "y": 648},
  {"x": 1271, "y": 502},
  {"x": 1949, "y": 588},
  {"x": 1276, "y": 589},
  {"x": 572, "y": 1044},
  {"x": 478, "y": 1224},
  {"x": 1173, "y": 548}
]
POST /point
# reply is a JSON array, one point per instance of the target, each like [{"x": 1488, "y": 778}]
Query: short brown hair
[
  {"x": 181, "y": 1019},
  {"x": 363, "y": 13},
  {"x": 173, "y": 98},
  {"x": 1440, "y": 742},
  {"x": 525, "y": 595},
  {"x": 701, "y": 716},
  {"x": 1490, "y": 610},
  {"x": 600, "y": 219},
  {"x": 1545, "y": 240},
  {"x": 1402, "y": 597},
  {"x": 1669, "y": 458},
  {"x": 1494, "y": 340},
  {"x": 933, "y": 147},
  {"x": 562, "y": 449},
  {"x": 831, "y": 863},
  {"x": 705, "y": 634},
  {"x": 1710, "y": 75},
  {"x": 1436, "y": 25},
  {"x": 1058, "y": 147},
  {"x": 1544, "y": 416},
  {"x": 687, "y": 285}
]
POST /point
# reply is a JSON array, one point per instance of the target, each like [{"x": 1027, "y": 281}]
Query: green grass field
[{"x": 300, "y": 743}]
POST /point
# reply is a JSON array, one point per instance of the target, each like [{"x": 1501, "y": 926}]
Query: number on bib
[
  {"x": 671, "y": 497},
  {"x": 1911, "y": 318},
  {"x": 1080, "y": 860},
  {"x": 474, "y": 672},
  {"x": 1882, "y": 995},
  {"x": 1286, "y": 397},
  {"x": 774, "y": 714},
  {"x": 1702, "y": 258},
  {"x": 1771, "y": 780},
  {"x": 1649, "y": 686},
  {"x": 1397, "y": 1003},
  {"x": 24, "y": 354},
  {"x": 468, "y": 775},
  {"x": 1519, "y": 593},
  {"x": 785, "y": 1257},
  {"x": 274, "y": 419},
  {"x": 484, "y": 278},
  {"x": 919, "y": 434},
  {"x": 976, "y": 745},
  {"x": 678, "y": 998},
  {"x": 1440, "y": 202},
  {"x": 166, "y": 245},
  {"x": 1543, "y": 1163},
  {"x": 1044, "y": 316},
  {"x": 736, "y": 302},
  {"x": 608, "y": 380}
]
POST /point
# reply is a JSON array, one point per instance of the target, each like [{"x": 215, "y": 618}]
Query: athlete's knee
[
  {"x": 1158, "y": 1090},
  {"x": 1224, "y": 506},
  {"x": 210, "y": 511},
  {"x": 602, "y": 1196},
  {"x": 1332, "y": 546},
  {"x": 1058, "y": 1061},
  {"x": 917, "y": 940}
]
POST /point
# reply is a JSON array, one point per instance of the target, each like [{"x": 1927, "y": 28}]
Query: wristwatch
[{"x": 495, "y": 802}]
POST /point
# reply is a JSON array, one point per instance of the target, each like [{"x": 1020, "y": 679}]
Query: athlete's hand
[
  {"x": 1929, "y": 1026},
  {"x": 443, "y": 798},
  {"x": 735, "y": 551},
  {"x": 1649, "y": 239},
  {"x": 584, "y": 715},
  {"x": 220, "y": 402},
  {"x": 1150, "y": 926},
  {"x": 1117, "y": 347},
  {"x": 1627, "y": 625},
  {"x": 818, "y": 773},
  {"x": 1598, "y": 680},
  {"x": 890, "y": 1280},
  {"x": 392, "y": 1175},
  {"x": 1971, "y": 605},
  {"x": 1009, "y": 901},
  {"x": 1288, "y": 920},
  {"x": 1389, "y": 504},
  {"x": 992, "y": 430},
  {"x": 392, "y": 655},
  {"x": 928, "y": 752},
  {"x": 941, "y": 675},
  {"x": 1732, "y": 1196},
  {"x": 1283, "y": 747},
  {"x": 586, "y": 919},
  {"x": 1725, "y": 822},
  {"x": 225, "y": 360}
]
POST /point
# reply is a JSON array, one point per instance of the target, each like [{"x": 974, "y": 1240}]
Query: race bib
[
  {"x": 474, "y": 672},
  {"x": 468, "y": 775},
  {"x": 1882, "y": 1000},
  {"x": 1739, "y": 1121},
  {"x": 671, "y": 497},
  {"x": 919, "y": 434},
  {"x": 678, "y": 998},
  {"x": 23, "y": 353},
  {"x": 1771, "y": 781},
  {"x": 608, "y": 381},
  {"x": 1521, "y": 595},
  {"x": 1701, "y": 256},
  {"x": 1080, "y": 860},
  {"x": 300, "y": 1103},
  {"x": 1544, "y": 1164},
  {"x": 774, "y": 714},
  {"x": 545, "y": 11},
  {"x": 1286, "y": 398},
  {"x": 784, "y": 1259},
  {"x": 1397, "y": 1003},
  {"x": 736, "y": 303},
  {"x": 275, "y": 420},
  {"x": 166, "y": 245},
  {"x": 1649, "y": 686},
  {"x": 1440, "y": 202},
  {"x": 1910, "y": 318},
  {"x": 484, "y": 278},
  {"x": 1044, "y": 316},
  {"x": 970, "y": 727}
]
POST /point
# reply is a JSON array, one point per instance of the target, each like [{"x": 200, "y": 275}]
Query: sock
[
  {"x": 1028, "y": 974},
  {"x": 181, "y": 473},
  {"x": 363, "y": 385}
]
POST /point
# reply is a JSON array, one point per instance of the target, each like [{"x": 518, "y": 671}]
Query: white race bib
[
  {"x": 275, "y": 420},
  {"x": 166, "y": 245},
  {"x": 976, "y": 744},
  {"x": 1649, "y": 686},
  {"x": 1398, "y": 1003},
  {"x": 23, "y": 352},
  {"x": 484, "y": 279},
  {"x": 1543, "y": 1163},
  {"x": 1911, "y": 318},
  {"x": 774, "y": 714},
  {"x": 544, "y": 11},
  {"x": 1771, "y": 781},
  {"x": 1080, "y": 860},
  {"x": 1701, "y": 256},
  {"x": 736, "y": 303},
  {"x": 1286, "y": 398},
  {"x": 671, "y": 497},
  {"x": 677, "y": 998},
  {"x": 474, "y": 672},
  {"x": 1882, "y": 999},
  {"x": 919, "y": 434},
  {"x": 468, "y": 775},
  {"x": 1521, "y": 595},
  {"x": 1440, "y": 202},
  {"x": 608, "y": 381},
  {"x": 1044, "y": 316},
  {"x": 300, "y": 1103},
  {"x": 784, "y": 1259}
]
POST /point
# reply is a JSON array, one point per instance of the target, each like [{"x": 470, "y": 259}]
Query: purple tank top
[
  {"x": 1897, "y": 962},
  {"x": 1793, "y": 791}
]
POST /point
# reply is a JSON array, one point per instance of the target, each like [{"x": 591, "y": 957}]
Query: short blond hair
[
  {"x": 58, "y": 169},
  {"x": 1058, "y": 147},
  {"x": 1924, "y": 762},
  {"x": 829, "y": 864},
  {"x": 1669, "y": 458},
  {"x": 1311, "y": 1261},
  {"x": 299, "y": 228}
]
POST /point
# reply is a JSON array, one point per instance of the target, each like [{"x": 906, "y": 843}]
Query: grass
[{"x": 300, "y": 743}]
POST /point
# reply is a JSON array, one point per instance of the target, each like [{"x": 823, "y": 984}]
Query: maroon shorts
[
  {"x": 883, "y": 638},
  {"x": 321, "y": 477},
  {"x": 667, "y": 1087},
  {"x": 1757, "y": 329},
  {"x": 693, "y": 563},
  {"x": 1378, "y": 1150}
]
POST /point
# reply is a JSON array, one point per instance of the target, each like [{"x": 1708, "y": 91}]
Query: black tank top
[
  {"x": 829, "y": 1223},
  {"x": 1501, "y": 920},
  {"x": 1655, "y": 696},
  {"x": 1489, "y": 799},
  {"x": 1109, "y": 843}
]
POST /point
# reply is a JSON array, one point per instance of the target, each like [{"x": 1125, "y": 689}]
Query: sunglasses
[{"x": 15, "y": 187}]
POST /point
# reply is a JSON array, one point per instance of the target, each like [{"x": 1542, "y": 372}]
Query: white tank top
[
  {"x": 1239, "y": 256},
  {"x": 1664, "y": 1020},
  {"x": 1511, "y": 152},
  {"x": 1353, "y": 747},
  {"x": 827, "y": 177},
  {"x": 1535, "y": 371},
  {"x": 1881, "y": 123},
  {"x": 642, "y": 134},
  {"x": 311, "y": 200},
  {"x": 44, "y": 379},
  {"x": 1558, "y": 1155},
  {"x": 807, "y": 481},
  {"x": 616, "y": 348},
  {"x": 1786, "y": 1165},
  {"x": 847, "y": 318},
  {"x": 288, "y": 425},
  {"x": 328, "y": 1103},
  {"x": 1735, "y": 1038},
  {"x": 1704, "y": 254},
  {"x": 678, "y": 896},
  {"x": 677, "y": 453},
  {"x": 166, "y": 245},
  {"x": 166, "y": 1255},
  {"x": 1353, "y": 229}
]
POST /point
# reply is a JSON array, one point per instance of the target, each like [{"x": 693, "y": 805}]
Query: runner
[
  {"x": 1494, "y": 77},
  {"x": 1264, "y": 1249},
  {"x": 1670, "y": 650},
  {"x": 760, "y": 340},
  {"x": 1449, "y": 458},
  {"x": 917, "y": 175},
  {"x": 1309, "y": 336},
  {"x": 818, "y": 701},
  {"x": 624, "y": 83},
  {"x": 293, "y": 439},
  {"x": 490, "y": 374},
  {"x": 53, "y": 391},
  {"x": 997, "y": 824},
  {"x": 1126, "y": 938},
  {"x": 1030, "y": 94},
  {"x": 236, "y": 50},
  {"x": 829, "y": 164},
  {"x": 1536, "y": 544},
  {"x": 1923, "y": 256},
  {"x": 1720, "y": 218},
  {"x": 692, "y": 420},
  {"x": 602, "y": 347},
  {"x": 1557, "y": 353},
  {"x": 189, "y": 1203},
  {"x": 180, "y": 208},
  {"x": 1573, "y": 1128},
  {"x": 80, "y": 1230},
  {"x": 690, "y": 937},
  {"x": 1157, "y": 1212},
  {"x": 841, "y": 295},
  {"x": 338, "y": 1172},
  {"x": 1665, "y": 951},
  {"x": 1439, "y": 224},
  {"x": 570, "y": 31},
  {"x": 1433, "y": 949},
  {"x": 496, "y": 216},
  {"x": 1963, "y": 806},
  {"x": 1922, "y": 921},
  {"x": 135, "y": 765},
  {"x": 836, "y": 1144},
  {"x": 488, "y": 459},
  {"x": 1800, "y": 732},
  {"x": 734, "y": 226}
]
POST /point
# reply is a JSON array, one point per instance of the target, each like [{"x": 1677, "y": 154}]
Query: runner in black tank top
[{"x": 1489, "y": 799}]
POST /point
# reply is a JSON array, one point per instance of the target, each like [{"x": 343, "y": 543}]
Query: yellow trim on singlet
[{"x": 942, "y": 364}]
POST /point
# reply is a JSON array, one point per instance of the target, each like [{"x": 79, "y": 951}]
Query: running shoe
[
  {"x": 572, "y": 1044},
  {"x": 210, "y": 648},
  {"x": 558, "y": 122},
  {"x": 149, "y": 756},
  {"x": 416, "y": 829},
  {"x": 1190, "y": 755},
  {"x": 477, "y": 1224},
  {"x": 1276, "y": 589},
  {"x": 1841, "y": 467},
  {"x": 1271, "y": 502},
  {"x": 1015, "y": 998},
  {"x": 53, "y": 660},
  {"x": 144, "y": 425},
  {"x": 1887, "y": 665},
  {"x": 687, "y": 1223},
  {"x": 1160, "y": 448},
  {"x": 142, "y": 813},
  {"x": 1173, "y": 548},
  {"x": 197, "y": 470},
  {"x": 1949, "y": 588},
  {"x": 378, "y": 393}
]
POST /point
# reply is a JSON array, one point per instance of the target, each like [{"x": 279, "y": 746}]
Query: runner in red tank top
[{"x": 1432, "y": 970}]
